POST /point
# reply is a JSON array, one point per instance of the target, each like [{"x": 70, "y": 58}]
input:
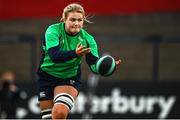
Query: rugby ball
[{"x": 106, "y": 65}]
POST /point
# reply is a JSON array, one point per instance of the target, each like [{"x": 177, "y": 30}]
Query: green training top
[{"x": 56, "y": 37}]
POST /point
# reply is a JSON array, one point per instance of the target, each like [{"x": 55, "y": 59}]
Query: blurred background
[{"x": 145, "y": 34}]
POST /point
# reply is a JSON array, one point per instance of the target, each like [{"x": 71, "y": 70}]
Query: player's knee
[
  {"x": 59, "y": 113},
  {"x": 63, "y": 103}
]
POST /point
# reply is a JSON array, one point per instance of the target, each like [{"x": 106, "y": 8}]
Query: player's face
[{"x": 73, "y": 22}]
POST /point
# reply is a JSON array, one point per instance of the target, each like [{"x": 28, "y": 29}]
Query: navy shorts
[{"x": 46, "y": 84}]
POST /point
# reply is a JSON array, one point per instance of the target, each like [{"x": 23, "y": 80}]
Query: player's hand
[
  {"x": 118, "y": 62},
  {"x": 82, "y": 50}
]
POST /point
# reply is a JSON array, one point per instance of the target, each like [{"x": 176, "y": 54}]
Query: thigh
[
  {"x": 66, "y": 89},
  {"x": 46, "y": 104},
  {"x": 45, "y": 93}
]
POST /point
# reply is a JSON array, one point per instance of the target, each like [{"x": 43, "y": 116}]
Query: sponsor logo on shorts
[
  {"x": 72, "y": 82},
  {"x": 42, "y": 94}
]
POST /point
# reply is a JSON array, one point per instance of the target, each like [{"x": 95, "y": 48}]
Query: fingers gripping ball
[{"x": 106, "y": 65}]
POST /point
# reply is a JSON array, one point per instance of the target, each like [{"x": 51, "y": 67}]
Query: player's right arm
[{"x": 53, "y": 48}]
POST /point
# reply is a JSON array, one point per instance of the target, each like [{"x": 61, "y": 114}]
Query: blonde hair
[{"x": 74, "y": 7}]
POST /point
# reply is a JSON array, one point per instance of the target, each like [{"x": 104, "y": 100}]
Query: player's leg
[
  {"x": 46, "y": 108},
  {"x": 45, "y": 88},
  {"x": 64, "y": 97}
]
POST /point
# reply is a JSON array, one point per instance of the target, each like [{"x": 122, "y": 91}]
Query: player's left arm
[{"x": 92, "y": 56}]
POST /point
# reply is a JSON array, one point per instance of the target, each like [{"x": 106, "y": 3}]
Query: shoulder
[
  {"x": 55, "y": 28},
  {"x": 86, "y": 35},
  {"x": 89, "y": 38}
]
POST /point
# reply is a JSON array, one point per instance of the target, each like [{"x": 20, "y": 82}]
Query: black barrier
[{"x": 115, "y": 100}]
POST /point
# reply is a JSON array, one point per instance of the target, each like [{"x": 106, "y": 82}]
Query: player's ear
[{"x": 62, "y": 20}]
